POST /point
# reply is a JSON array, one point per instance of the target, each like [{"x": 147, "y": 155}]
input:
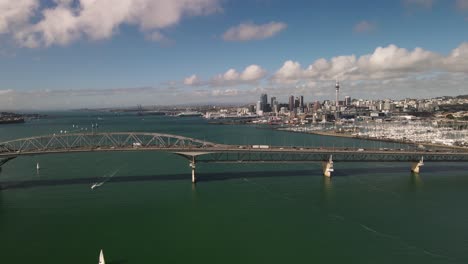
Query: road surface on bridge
[{"x": 196, "y": 150}]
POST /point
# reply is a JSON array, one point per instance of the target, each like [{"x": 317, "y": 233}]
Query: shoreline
[{"x": 344, "y": 135}]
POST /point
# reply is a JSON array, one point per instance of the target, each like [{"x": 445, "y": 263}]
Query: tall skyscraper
[
  {"x": 272, "y": 100},
  {"x": 296, "y": 102},
  {"x": 259, "y": 108},
  {"x": 347, "y": 100},
  {"x": 274, "y": 105},
  {"x": 264, "y": 101},
  {"x": 291, "y": 103},
  {"x": 301, "y": 102}
]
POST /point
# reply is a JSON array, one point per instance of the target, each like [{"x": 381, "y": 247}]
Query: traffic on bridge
[{"x": 196, "y": 150}]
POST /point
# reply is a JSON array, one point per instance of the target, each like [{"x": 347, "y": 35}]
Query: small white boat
[
  {"x": 37, "y": 166},
  {"x": 95, "y": 185},
  {"x": 101, "y": 258}
]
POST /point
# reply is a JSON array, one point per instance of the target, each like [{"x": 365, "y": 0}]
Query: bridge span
[{"x": 196, "y": 150}]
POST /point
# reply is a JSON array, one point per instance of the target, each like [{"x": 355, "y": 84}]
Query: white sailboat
[
  {"x": 37, "y": 166},
  {"x": 101, "y": 258}
]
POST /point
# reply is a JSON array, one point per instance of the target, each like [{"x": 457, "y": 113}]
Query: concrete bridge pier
[
  {"x": 192, "y": 157},
  {"x": 192, "y": 165},
  {"x": 327, "y": 167},
  {"x": 416, "y": 165}
]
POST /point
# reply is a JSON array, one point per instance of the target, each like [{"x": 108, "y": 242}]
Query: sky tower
[{"x": 337, "y": 102}]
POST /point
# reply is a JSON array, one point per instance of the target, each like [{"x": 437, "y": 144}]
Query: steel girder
[
  {"x": 57, "y": 142},
  {"x": 291, "y": 157}
]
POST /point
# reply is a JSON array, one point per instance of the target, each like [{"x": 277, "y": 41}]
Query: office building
[
  {"x": 347, "y": 101},
  {"x": 291, "y": 103},
  {"x": 263, "y": 102}
]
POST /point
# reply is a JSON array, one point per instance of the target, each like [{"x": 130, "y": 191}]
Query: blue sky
[{"x": 90, "y": 53}]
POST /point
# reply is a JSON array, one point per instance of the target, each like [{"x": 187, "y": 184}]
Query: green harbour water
[{"x": 150, "y": 212}]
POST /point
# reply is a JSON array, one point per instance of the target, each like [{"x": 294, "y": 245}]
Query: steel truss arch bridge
[{"x": 196, "y": 150}]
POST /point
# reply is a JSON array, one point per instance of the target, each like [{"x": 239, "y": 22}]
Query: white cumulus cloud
[
  {"x": 250, "y": 31},
  {"x": 457, "y": 61},
  {"x": 383, "y": 63},
  {"x": 250, "y": 74},
  {"x": 230, "y": 75},
  {"x": 15, "y": 13},
  {"x": 394, "y": 59},
  {"x": 67, "y": 21},
  {"x": 386, "y": 71},
  {"x": 192, "y": 80},
  {"x": 290, "y": 71}
]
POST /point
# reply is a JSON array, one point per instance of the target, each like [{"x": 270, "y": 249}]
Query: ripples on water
[{"x": 149, "y": 211}]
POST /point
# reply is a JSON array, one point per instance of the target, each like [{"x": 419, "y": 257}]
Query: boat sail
[{"x": 101, "y": 258}]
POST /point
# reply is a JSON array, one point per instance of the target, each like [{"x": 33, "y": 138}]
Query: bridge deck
[{"x": 210, "y": 152}]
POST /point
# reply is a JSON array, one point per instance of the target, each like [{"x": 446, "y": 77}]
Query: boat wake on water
[{"x": 106, "y": 179}]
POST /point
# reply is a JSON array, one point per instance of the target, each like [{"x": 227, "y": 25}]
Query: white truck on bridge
[{"x": 260, "y": 146}]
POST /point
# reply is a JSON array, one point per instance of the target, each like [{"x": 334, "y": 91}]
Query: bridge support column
[
  {"x": 192, "y": 158},
  {"x": 327, "y": 167},
  {"x": 192, "y": 165},
  {"x": 416, "y": 165}
]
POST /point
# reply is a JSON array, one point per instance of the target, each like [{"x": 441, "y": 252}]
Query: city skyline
[{"x": 66, "y": 54}]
